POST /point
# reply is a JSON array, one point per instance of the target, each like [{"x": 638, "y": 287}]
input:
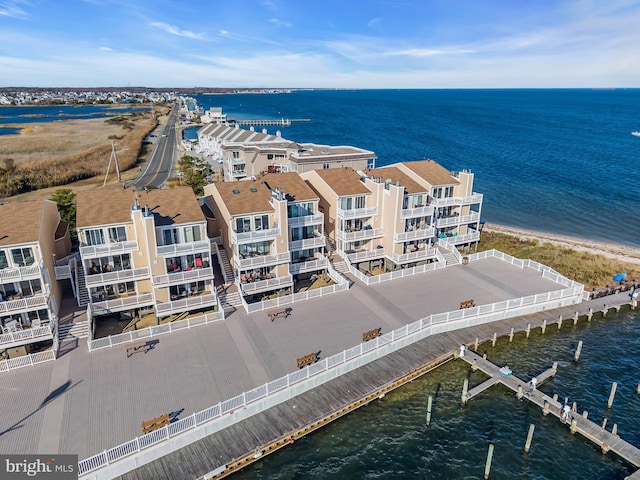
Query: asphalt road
[{"x": 157, "y": 169}]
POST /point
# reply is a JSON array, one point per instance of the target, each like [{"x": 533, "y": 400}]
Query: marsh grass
[{"x": 583, "y": 267}]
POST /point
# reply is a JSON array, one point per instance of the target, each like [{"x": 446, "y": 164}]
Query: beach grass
[{"x": 592, "y": 270}]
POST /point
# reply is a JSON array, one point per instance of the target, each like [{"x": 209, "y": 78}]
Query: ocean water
[
  {"x": 35, "y": 113},
  {"x": 389, "y": 439},
  {"x": 559, "y": 161}
]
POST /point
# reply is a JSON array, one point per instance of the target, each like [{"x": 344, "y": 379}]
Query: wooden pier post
[
  {"x": 555, "y": 397},
  {"x": 634, "y": 303},
  {"x": 554, "y": 368},
  {"x": 487, "y": 466},
  {"x": 638, "y": 391},
  {"x": 617, "y": 308},
  {"x": 575, "y": 318},
  {"x": 574, "y": 425},
  {"x": 614, "y": 430},
  {"x": 559, "y": 322},
  {"x": 474, "y": 366},
  {"x": 590, "y": 314},
  {"x": 519, "y": 395},
  {"x": 495, "y": 338},
  {"x": 465, "y": 387},
  {"x": 612, "y": 394},
  {"x": 544, "y": 326},
  {"x": 578, "y": 350},
  {"x": 545, "y": 410},
  {"x": 604, "y": 424},
  {"x": 585, "y": 414},
  {"x": 476, "y": 346},
  {"x": 527, "y": 445},
  {"x": 605, "y": 309},
  {"x": 574, "y": 407},
  {"x": 429, "y": 403},
  {"x": 528, "y": 329},
  {"x": 511, "y": 335}
]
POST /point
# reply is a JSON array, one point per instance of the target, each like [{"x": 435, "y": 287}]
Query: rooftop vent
[
  {"x": 254, "y": 190},
  {"x": 236, "y": 192}
]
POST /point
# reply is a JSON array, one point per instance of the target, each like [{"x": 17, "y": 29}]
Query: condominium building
[
  {"x": 247, "y": 153},
  {"x": 32, "y": 237},
  {"x": 145, "y": 255},
  {"x": 272, "y": 229}
]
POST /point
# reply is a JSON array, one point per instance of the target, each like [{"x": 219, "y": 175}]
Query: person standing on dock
[
  {"x": 532, "y": 385},
  {"x": 566, "y": 411},
  {"x": 462, "y": 350}
]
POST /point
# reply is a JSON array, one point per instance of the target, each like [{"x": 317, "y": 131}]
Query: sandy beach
[{"x": 610, "y": 250}]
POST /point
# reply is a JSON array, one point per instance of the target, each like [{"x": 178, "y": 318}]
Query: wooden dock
[
  {"x": 283, "y": 122},
  {"x": 607, "y": 441}
]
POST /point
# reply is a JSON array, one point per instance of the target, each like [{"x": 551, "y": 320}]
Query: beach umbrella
[{"x": 619, "y": 277}]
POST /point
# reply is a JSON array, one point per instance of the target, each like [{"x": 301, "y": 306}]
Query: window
[
  {"x": 243, "y": 224},
  {"x": 4, "y": 263},
  {"x": 95, "y": 237},
  {"x": 30, "y": 287},
  {"x": 437, "y": 192},
  {"x": 117, "y": 234},
  {"x": 360, "y": 202},
  {"x": 235, "y": 154},
  {"x": 170, "y": 236},
  {"x": 261, "y": 222},
  {"x": 448, "y": 192},
  {"x": 325, "y": 166},
  {"x": 192, "y": 234},
  {"x": 22, "y": 257}
]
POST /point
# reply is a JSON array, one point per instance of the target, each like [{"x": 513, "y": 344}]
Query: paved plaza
[{"x": 87, "y": 402}]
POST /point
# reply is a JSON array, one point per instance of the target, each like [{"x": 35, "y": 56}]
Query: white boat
[
  {"x": 637, "y": 134},
  {"x": 505, "y": 371}
]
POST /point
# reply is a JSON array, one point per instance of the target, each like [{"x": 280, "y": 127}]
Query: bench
[
  {"x": 371, "y": 334},
  {"x": 467, "y": 304},
  {"x": 139, "y": 347},
  {"x": 156, "y": 423},
  {"x": 307, "y": 360},
  {"x": 280, "y": 313}
]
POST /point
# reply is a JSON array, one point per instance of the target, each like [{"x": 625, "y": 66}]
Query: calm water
[
  {"x": 28, "y": 114},
  {"x": 561, "y": 161},
  {"x": 388, "y": 439}
]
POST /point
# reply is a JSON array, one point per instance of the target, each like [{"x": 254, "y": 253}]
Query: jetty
[
  {"x": 607, "y": 441},
  {"x": 283, "y": 122}
]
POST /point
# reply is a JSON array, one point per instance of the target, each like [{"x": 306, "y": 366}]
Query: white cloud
[
  {"x": 374, "y": 22},
  {"x": 429, "y": 52},
  {"x": 105, "y": 49},
  {"x": 223, "y": 33},
  {"x": 280, "y": 23},
  {"x": 173, "y": 30},
  {"x": 13, "y": 9}
]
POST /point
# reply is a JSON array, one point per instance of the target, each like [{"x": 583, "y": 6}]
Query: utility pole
[{"x": 113, "y": 158}]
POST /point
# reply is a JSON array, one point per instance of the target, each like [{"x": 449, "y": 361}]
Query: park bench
[
  {"x": 467, "y": 304},
  {"x": 139, "y": 347},
  {"x": 156, "y": 423},
  {"x": 371, "y": 334},
  {"x": 307, "y": 360},
  {"x": 280, "y": 313}
]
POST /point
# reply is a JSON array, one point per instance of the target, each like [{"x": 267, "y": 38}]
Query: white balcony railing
[
  {"x": 306, "y": 220},
  {"x": 62, "y": 272},
  {"x": 183, "y": 276},
  {"x": 357, "y": 212},
  {"x": 117, "y": 276},
  {"x": 176, "y": 249},
  {"x": 238, "y": 173},
  {"x": 466, "y": 238},
  {"x": 122, "y": 303},
  {"x": 16, "y": 274},
  {"x": 420, "y": 233},
  {"x": 366, "y": 255},
  {"x": 457, "y": 220},
  {"x": 24, "y": 304},
  {"x": 255, "y": 235},
  {"x": 187, "y": 303},
  {"x": 317, "y": 241},
  {"x": 364, "y": 234},
  {"x": 236, "y": 161},
  {"x": 261, "y": 260},
  {"x": 414, "y": 256},
  {"x": 264, "y": 285},
  {"x": 20, "y": 337},
  {"x": 308, "y": 266},
  {"x": 445, "y": 202},
  {"x": 426, "y": 211},
  {"x": 93, "y": 251}
]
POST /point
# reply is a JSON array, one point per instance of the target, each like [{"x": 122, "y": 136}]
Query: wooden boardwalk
[
  {"x": 607, "y": 441},
  {"x": 235, "y": 447}
]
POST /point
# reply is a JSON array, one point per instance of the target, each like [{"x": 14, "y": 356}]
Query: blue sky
[{"x": 320, "y": 43}]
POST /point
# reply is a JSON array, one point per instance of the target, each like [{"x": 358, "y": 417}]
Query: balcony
[
  {"x": 178, "y": 249},
  {"x": 310, "y": 265},
  {"x": 474, "y": 217},
  {"x": 266, "y": 285},
  {"x": 24, "y": 336},
  {"x": 125, "y": 275},
  {"x": 466, "y": 238},
  {"x": 238, "y": 173},
  {"x": 258, "y": 260},
  {"x": 94, "y": 251},
  {"x": 183, "y": 277},
  {"x": 314, "y": 242},
  {"x": 365, "y": 255},
  {"x": 425, "y": 211},
  {"x": 124, "y": 302},
  {"x": 416, "y": 256},
  {"x": 16, "y": 274},
  {"x": 419, "y": 234},
  {"x": 255, "y": 235},
  {"x": 236, "y": 161},
  {"x": 445, "y": 202},
  {"x": 364, "y": 234},
  {"x": 13, "y": 305},
  {"x": 357, "y": 212},
  {"x": 306, "y": 221},
  {"x": 187, "y": 303},
  {"x": 64, "y": 267}
]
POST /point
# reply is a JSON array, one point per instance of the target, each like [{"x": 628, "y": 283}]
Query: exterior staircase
[
  {"x": 225, "y": 265},
  {"x": 83, "y": 293},
  {"x": 70, "y": 330},
  {"x": 449, "y": 257},
  {"x": 229, "y": 299},
  {"x": 341, "y": 267},
  {"x": 330, "y": 245}
]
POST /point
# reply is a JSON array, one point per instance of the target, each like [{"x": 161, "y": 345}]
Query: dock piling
[
  {"x": 544, "y": 326},
  {"x": 528, "y": 329},
  {"x": 638, "y": 391},
  {"x": 578, "y": 350},
  {"x": 590, "y": 314},
  {"x": 429, "y": 403},
  {"x": 494, "y": 340},
  {"x": 612, "y": 394},
  {"x": 511, "y": 335},
  {"x": 614, "y": 430},
  {"x": 554, "y": 369},
  {"x": 559, "y": 322},
  {"x": 575, "y": 318},
  {"x": 465, "y": 387},
  {"x": 555, "y": 397},
  {"x": 474, "y": 366},
  {"x": 487, "y": 466},
  {"x": 545, "y": 410},
  {"x": 527, "y": 445},
  {"x": 476, "y": 345},
  {"x": 574, "y": 425},
  {"x": 519, "y": 394},
  {"x": 605, "y": 309},
  {"x": 604, "y": 424},
  {"x": 585, "y": 414}
]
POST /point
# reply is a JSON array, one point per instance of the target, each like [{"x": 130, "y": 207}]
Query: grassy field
[{"x": 586, "y": 268}]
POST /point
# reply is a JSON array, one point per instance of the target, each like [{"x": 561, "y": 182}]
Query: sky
[{"x": 320, "y": 43}]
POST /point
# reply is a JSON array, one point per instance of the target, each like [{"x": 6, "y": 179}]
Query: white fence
[
  {"x": 26, "y": 334},
  {"x": 217, "y": 417},
  {"x": 403, "y": 272},
  {"x": 154, "y": 331},
  {"x": 27, "y": 360}
]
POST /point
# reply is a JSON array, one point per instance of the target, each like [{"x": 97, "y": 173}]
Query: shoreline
[{"x": 619, "y": 252}]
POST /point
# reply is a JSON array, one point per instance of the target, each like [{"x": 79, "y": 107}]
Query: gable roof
[
  {"x": 249, "y": 196},
  {"x": 343, "y": 181},
  {"x": 20, "y": 222},
  {"x": 395, "y": 174},
  {"x": 432, "y": 172},
  {"x": 291, "y": 184}
]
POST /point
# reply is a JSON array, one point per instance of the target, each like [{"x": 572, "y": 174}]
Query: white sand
[{"x": 611, "y": 250}]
